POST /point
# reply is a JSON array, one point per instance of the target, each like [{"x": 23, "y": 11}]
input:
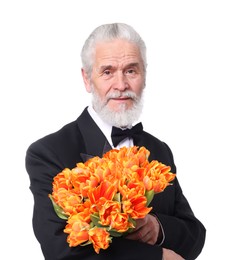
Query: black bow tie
[{"x": 118, "y": 134}]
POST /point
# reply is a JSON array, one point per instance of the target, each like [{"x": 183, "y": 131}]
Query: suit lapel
[{"x": 95, "y": 141}]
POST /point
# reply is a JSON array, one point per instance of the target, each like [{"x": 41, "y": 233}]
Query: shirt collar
[{"x": 107, "y": 129}]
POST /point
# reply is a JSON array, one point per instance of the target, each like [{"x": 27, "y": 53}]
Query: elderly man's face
[{"x": 117, "y": 78}]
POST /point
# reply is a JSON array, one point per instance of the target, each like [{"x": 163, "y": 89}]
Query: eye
[
  {"x": 106, "y": 72},
  {"x": 130, "y": 71}
]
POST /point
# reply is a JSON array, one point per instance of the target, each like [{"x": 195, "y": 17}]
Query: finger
[
  {"x": 149, "y": 238},
  {"x": 140, "y": 223},
  {"x": 136, "y": 235}
]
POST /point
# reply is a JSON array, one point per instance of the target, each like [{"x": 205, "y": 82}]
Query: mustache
[{"x": 124, "y": 94}]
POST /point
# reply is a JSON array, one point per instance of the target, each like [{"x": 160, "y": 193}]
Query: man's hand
[
  {"x": 171, "y": 255},
  {"x": 146, "y": 230}
]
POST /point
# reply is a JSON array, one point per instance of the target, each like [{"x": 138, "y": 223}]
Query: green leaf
[
  {"x": 131, "y": 220},
  {"x": 149, "y": 195},
  {"x": 115, "y": 233},
  {"x": 59, "y": 211},
  {"x": 86, "y": 243},
  {"x": 117, "y": 197},
  {"x": 128, "y": 231},
  {"x": 95, "y": 219}
]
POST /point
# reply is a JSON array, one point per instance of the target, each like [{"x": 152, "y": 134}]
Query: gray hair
[{"x": 107, "y": 32}]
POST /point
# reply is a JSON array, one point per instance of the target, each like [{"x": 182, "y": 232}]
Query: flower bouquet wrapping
[{"x": 102, "y": 198}]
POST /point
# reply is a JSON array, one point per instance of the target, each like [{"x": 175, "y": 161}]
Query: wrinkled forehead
[{"x": 116, "y": 53}]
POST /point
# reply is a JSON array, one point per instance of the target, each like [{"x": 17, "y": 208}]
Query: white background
[{"x": 187, "y": 103}]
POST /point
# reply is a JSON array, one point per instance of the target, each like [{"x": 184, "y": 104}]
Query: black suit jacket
[{"x": 76, "y": 142}]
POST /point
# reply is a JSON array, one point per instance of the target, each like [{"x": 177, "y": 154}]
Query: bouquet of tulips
[{"x": 102, "y": 198}]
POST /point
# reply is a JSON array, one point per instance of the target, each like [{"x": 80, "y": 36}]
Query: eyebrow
[
  {"x": 133, "y": 64},
  {"x": 105, "y": 67}
]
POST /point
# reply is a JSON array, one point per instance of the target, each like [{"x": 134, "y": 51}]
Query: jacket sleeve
[{"x": 42, "y": 165}]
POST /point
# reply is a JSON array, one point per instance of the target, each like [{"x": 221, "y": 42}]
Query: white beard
[{"x": 122, "y": 118}]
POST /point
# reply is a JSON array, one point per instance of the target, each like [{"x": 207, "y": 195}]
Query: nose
[{"x": 121, "y": 82}]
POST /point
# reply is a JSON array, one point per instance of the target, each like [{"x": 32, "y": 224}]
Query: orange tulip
[
  {"x": 120, "y": 222},
  {"x": 135, "y": 207},
  {"x": 107, "y": 208},
  {"x": 77, "y": 230},
  {"x": 132, "y": 189},
  {"x": 106, "y": 189},
  {"x": 62, "y": 180},
  {"x": 100, "y": 238}
]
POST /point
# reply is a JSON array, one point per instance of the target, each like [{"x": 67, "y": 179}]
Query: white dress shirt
[{"x": 107, "y": 129}]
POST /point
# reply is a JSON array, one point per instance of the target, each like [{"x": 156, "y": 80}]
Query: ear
[{"x": 86, "y": 80}]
